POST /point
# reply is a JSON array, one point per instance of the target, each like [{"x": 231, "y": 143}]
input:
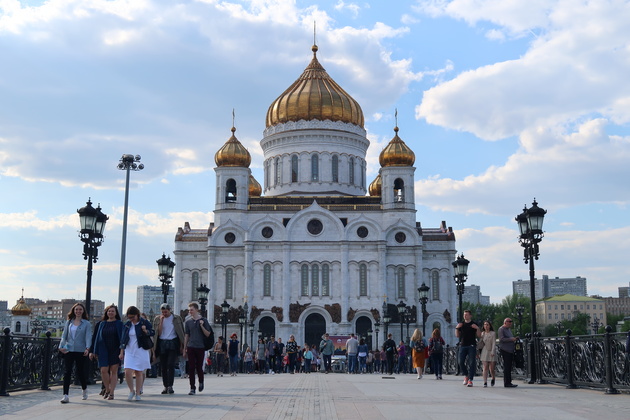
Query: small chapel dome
[
  {"x": 21, "y": 308},
  {"x": 375, "y": 187},
  {"x": 233, "y": 153},
  {"x": 314, "y": 96},
  {"x": 396, "y": 153},
  {"x": 255, "y": 190}
]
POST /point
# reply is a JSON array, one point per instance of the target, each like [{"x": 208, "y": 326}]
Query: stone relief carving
[
  {"x": 335, "y": 312},
  {"x": 295, "y": 310}
]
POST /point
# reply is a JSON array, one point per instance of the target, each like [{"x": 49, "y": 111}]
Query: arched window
[
  {"x": 267, "y": 280},
  {"x": 276, "y": 171},
  {"x": 325, "y": 280},
  {"x": 294, "y": 168},
  {"x": 435, "y": 285},
  {"x": 194, "y": 284},
  {"x": 267, "y": 174},
  {"x": 229, "y": 284},
  {"x": 304, "y": 288},
  {"x": 351, "y": 171},
  {"x": 315, "y": 168},
  {"x": 230, "y": 191},
  {"x": 399, "y": 191},
  {"x": 400, "y": 282},
  {"x": 18, "y": 327},
  {"x": 335, "y": 168},
  {"x": 363, "y": 284},
  {"x": 363, "y": 174},
  {"x": 315, "y": 280}
]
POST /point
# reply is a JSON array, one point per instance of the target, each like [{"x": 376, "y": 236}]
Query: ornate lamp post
[
  {"x": 93, "y": 222},
  {"x": 386, "y": 318},
  {"x": 127, "y": 163},
  {"x": 461, "y": 274},
  {"x": 530, "y": 224},
  {"x": 423, "y": 292},
  {"x": 408, "y": 318},
  {"x": 595, "y": 325},
  {"x": 243, "y": 320},
  {"x": 225, "y": 307},
  {"x": 202, "y": 293},
  {"x": 401, "y": 314},
  {"x": 377, "y": 330},
  {"x": 165, "y": 269},
  {"x": 559, "y": 327},
  {"x": 519, "y": 314},
  {"x": 369, "y": 338},
  {"x": 251, "y": 335}
]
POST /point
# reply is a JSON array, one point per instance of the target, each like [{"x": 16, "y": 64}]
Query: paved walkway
[{"x": 319, "y": 396}]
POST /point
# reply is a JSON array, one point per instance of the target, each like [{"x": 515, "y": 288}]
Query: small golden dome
[
  {"x": 396, "y": 153},
  {"x": 255, "y": 190},
  {"x": 21, "y": 308},
  {"x": 232, "y": 153},
  {"x": 375, "y": 187},
  {"x": 314, "y": 96}
]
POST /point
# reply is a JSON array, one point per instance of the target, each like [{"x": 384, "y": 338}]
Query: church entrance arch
[
  {"x": 362, "y": 326},
  {"x": 266, "y": 327},
  {"x": 314, "y": 328}
]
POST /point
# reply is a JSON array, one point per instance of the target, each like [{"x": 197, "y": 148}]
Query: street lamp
[
  {"x": 423, "y": 292},
  {"x": 408, "y": 319},
  {"x": 251, "y": 334},
  {"x": 559, "y": 327},
  {"x": 461, "y": 274},
  {"x": 386, "y": 317},
  {"x": 243, "y": 321},
  {"x": 202, "y": 297},
  {"x": 377, "y": 330},
  {"x": 225, "y": 307},
  {"x": 127, "y": 163},
  {"x": 519, "y": 314},
  {"x": 595, "y": 325},
  {"x": 401, "y": 314},
  {"x": 530, "y": 224},
  {"x": 369, "y": 337},
  {"x": 165, "y": 269},
  {"x": 93, "y": 222}
]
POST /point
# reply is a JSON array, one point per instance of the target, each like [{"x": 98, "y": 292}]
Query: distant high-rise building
[
  {"x": 59, "y": 309},
  {"x": 149, "y": 299},
  {"x": 547, "y": 287},
  {"x": 623, "y": 292},
  {"x": 5, "y": 314},
  {"x": 472, "y": 294}
]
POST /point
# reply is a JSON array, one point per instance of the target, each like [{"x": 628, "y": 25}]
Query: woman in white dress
[
  {"x": 135, "y": 358},
  {"x": 488, "y": 352}
]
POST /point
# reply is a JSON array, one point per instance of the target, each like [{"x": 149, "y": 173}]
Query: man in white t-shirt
[{"x": 169, "y": 345}]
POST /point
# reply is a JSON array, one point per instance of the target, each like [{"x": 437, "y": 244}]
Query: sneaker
[
  {"x": 138, "y": 397},
  {"x": 200, "y": 386},
  {"x": 65, "y": 399},
  {"x": 492, "y": 382},
  {"x": 164, "y": 391},
  {"x": 85, "y": 394},
  {"x": 485, "y": 384},
  {"x": 470, "y": 384},
  {"x": 131, "y": 396},
  {"x": 192, "y": 391},
  {"x": 465, "y": 381},
  {"x": 440, "y": 376},
  {"x": 170, "y": 390}
]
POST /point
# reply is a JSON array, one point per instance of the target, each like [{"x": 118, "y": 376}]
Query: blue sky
[{"x": 502, "y": 101}]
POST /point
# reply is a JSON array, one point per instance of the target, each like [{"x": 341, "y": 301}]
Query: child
[{"x": 308, "y": 358}]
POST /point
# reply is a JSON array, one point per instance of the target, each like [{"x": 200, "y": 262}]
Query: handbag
[
  {"x": 480, "y": 344},
  {"x": 145, "y": 341}
]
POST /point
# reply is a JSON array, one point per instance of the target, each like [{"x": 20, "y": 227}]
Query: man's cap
[{"x": 165, "y": 306}]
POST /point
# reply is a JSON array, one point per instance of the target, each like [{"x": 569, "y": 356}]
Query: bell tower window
[
  {"x": 315, "y": 168},
  {"x": 294, "y": 168},
  {"x": 335, "y": 168},
  {"x": 351, "y": 171},
  {"x": 399, "y": 191},
  {"x": 230, "y": 191}
]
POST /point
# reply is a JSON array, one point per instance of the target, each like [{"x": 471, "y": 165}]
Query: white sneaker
[
  {"x": 85, "y": 394},
  {"x": 131, "y": 396},
  {"x": 138, "y": 397},
  {"x": 465, "y": 381},
  {"x": 65, "y": 399}
]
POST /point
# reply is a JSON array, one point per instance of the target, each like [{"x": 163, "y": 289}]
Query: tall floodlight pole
[{"x": 127, "y": 163}]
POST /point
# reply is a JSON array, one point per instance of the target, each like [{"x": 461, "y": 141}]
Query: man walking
[
  {"x": 169, "y": 345},
  {"x": 468, "y": 332},
  {"x": 326, "y": 348},
  {"x": 506, "y": 347},
  {"x": 352, "y": 347},
  {"x": 390, "y": 349},
  {"x": 272, "y": 353},
  {"x": 194, "y": 328}
]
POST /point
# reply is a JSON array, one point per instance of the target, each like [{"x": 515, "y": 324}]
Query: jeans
[
  {"x": 362, "y": 360},
  {"x": 220, "y": 362},
  {"x": 307, "y": 365},
  {"x": 401, "y": 364},
  {"x": 168, "y": 358},
  {"x": 249, "y": 366},
  {"x": 195, "y": 364},
  {"x": 352, "y": 363},
  {"x": 327, "y": 362},
  {"x": 508, "y": 359},
  {"x": 234, "y": 363},
  {"x": 70, "y": 359},
  {"x": 468, "y": 369},
  {"x": 436, "y": 360},
  {"x": 390, "y": 362},
  {"x": 292, "y": 360}
]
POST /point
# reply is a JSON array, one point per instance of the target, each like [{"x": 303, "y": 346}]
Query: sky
[{"x": 502, "y": 101}]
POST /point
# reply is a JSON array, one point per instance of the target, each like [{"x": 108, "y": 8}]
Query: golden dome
[
  {"x": 21, "y": 308},
  {"x": 232, "y": 153},
  {"x": 314, "y": 96},
  {"x": 254, "y": 187},
  {"x": 396, "y": 153},
  {"x": 375, "y": 187}
]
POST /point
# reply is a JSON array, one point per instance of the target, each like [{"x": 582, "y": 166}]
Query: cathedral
[{"x": 314, "y": 249}]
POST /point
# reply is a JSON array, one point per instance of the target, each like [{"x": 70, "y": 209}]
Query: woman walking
[
  {"x": 488, "y": 352},
  {"x": 261, "y": 356},
  {"x": 106, "y": 348},
  {"x": 436, "y": 349},
  {"x": 136, "y": 359},
  {"x": 75, "y": 346},
  {"x": 233, "y": 354},
  {"x": 418, "y": 345},
  {"x": 292, "y": 352}
]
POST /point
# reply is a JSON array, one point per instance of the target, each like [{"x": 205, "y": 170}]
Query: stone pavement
[{"x": 320, "y": 396}]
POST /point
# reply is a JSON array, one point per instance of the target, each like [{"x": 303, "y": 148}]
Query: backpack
[
  {"x": 419, "y": 346},
  {"x": 437, "y": 346},
  {"x": 208, "y": 342}
]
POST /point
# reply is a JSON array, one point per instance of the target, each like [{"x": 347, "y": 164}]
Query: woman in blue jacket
[
  {"x": 75, "y": 346},
  {"x": 106, "y": 348}
]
